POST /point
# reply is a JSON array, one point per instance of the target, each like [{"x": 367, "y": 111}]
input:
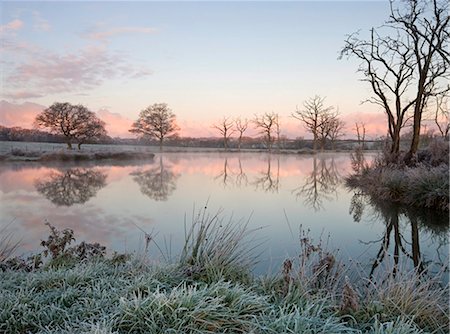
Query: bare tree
[
  {"x": 225, "y": 127},
  {"x": 360, "y": 128},
  {"x": 385, "y": 64},
  {"x": 241, "y": 127},
  {"x": 441, "y": 116},
  {"x": 405, "y": 62},
  {"x": 336, "y": 129},
  {"x": 278, "y": 131},
  {"x": 74, "y": 122},
  {"x": 156, "y": 121},
  {"x": 318, "y": 119},
  {"x": 426, "y": 25},
  {"x": 265, "y": 125}
]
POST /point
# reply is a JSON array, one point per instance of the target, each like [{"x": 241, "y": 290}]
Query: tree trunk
[
  {"x": 69, "y": 145},
  {"x": 416, "y": 137},
  {"x": 315, "y": 142},
  {"x": 161, "y": 144},
  {"x": 79, "y": 146},
  {"x": 395, "y": 148}
]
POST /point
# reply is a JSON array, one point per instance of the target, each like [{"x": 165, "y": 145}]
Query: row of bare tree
[
  {"x": 77, "y": 123},
  {"x": 321, "y": 121}
]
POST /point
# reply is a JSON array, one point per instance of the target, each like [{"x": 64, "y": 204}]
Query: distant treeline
[{"x": 34, "y": 135}]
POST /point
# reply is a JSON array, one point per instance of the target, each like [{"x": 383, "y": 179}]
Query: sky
[{"x": 206, "y": 60}]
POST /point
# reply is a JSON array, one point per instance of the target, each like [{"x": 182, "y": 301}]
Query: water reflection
[
  {"x": 158, "y": 182},
  {"x": 73, "y": 186},
  {"x": 223, "y": 176},
  {"x": 320, "y": 185},
  {"x": 269, "y": 179},
  {"x": 241, "y": 176},
  {"x": 400, "y": 240},
  {"x": 241, "y": 183}
]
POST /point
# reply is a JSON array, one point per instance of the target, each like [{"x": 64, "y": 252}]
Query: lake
[{"x": 276, "y": 194}]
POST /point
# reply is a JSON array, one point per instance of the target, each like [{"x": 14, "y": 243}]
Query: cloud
[
  {"x": 18, "y": 95},
  {"x": 14, "y": 25},
  {"x": 46, "y": 72},
  {"x": 116, "y": 124},
  {"x": 40, "y": 23},
  {"x": 21, "y": 115},
  {"x": 105, "y": 35}
]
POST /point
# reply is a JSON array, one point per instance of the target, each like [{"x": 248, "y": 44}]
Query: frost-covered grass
[
  {"x": 209, "y": 289},
  {"x": 423, "y": 185},
  {"x": 102, "y": 297},
  {"x": 49, "y": 152},
  {"x": 420, "y": 186}
]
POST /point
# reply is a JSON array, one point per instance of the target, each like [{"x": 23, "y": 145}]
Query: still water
[{"x": 276, "y": 194}]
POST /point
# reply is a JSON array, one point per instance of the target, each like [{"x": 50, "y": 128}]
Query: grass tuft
[{"x": 215, "y": 248}]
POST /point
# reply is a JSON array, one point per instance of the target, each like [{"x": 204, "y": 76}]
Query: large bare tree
[
  {"x": 265, "y": 124},
  {"x": 226, "y": 129},
  {"x": 322, "y": 121},
  {"x": 156, "y": 121},
  {"x": 426, "y": 25},
  {"x": 406, "y": 62},
  {"x": 386, "y": 66},
  {"x": 74, "y": 122}
]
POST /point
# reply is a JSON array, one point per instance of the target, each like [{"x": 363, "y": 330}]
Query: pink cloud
[
  {"x": 20, "y": 95},
  {"x": 21, "y": 115},
  {"x": 104, "y": 35},
  {"x": 46, "y": 72},
  {"x": 14, "y": 25},
  {"x": 116, "y": 124}
]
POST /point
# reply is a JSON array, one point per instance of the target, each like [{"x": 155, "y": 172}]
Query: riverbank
[
  {"x": 208, "y": 289},
  {"x": 45, "y": 152},
  {"x": 425, "y": 184}
]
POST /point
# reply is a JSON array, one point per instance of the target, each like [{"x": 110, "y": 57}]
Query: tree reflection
[
  {"x": 158, "y": 182},
  {"x": 74, "y": 186},
  {"x": 224, "y": 175},
  {"x": 241, "y": 177},
  {"x": 269, "y": 180},
  {"x": 394, "y": 243},
  {"x": 320, "y": 185}
]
